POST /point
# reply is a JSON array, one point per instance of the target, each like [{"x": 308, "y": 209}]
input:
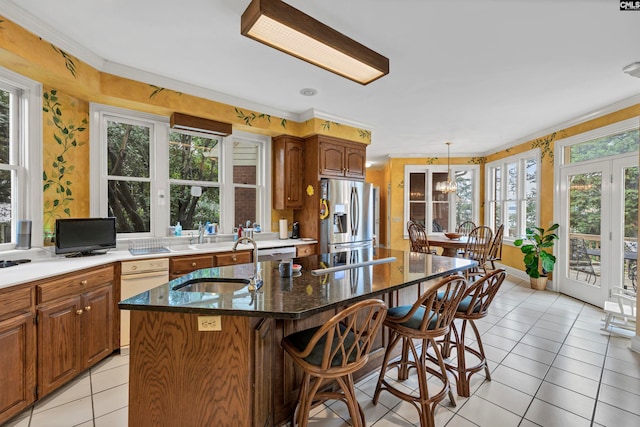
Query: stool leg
[
  {"x": 355, "y": 411},
  {"x": 462, "y": 382},
  {"x": 403, "y": 369},
  {"x": 308, "y": 391},
  {"x": 481, "y": 348},
  {"x": 393, "y": 340}
]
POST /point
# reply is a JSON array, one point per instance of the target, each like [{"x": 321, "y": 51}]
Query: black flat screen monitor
[{"x": 85, "y": 236}]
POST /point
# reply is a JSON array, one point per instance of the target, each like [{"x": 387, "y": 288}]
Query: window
[
  {"x": 151, "y": 177},
  {"x": 20, "y": 157},
  {"x": 512, "y": 193},
  {"x": 433, "y": 209}
]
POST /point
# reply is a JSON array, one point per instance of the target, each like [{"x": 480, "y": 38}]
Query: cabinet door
[
  {"x": 181, "y": 266},
  {"x": 97, "y": 325},
  {"x": 356, "y": 158},
  {"x": 331, "y": 159},
  {"x": 59, "y": 343},
  {"x": 263, "y": 373},
  {"x": 233, "y": 258},
  {"x": 17, "y": 365},
  {"x": 294, "y": 167}
]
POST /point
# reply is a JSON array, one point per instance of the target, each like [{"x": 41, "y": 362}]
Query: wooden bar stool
[
  {"x": 428, "y": 318},
  {"x": 474, "y": 305},
  {"x": 334, "y": 351}
]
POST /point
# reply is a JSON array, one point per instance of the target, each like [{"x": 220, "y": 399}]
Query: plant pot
[{"x": 539, "y": 284}]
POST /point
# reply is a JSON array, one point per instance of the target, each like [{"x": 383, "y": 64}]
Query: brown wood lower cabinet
[
  {"x": 75, "y": 328},
  {"x": 17, "y": 364}
]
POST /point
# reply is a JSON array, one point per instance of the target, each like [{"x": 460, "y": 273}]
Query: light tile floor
[{"x": 551, "y": 365}]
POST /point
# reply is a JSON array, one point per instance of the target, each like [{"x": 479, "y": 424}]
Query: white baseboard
[{"x": 635, "y": 343}]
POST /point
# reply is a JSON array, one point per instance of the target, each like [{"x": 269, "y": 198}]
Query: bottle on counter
[{"x": 178, "y": 229}]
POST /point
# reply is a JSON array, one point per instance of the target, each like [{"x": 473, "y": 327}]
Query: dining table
[{"x": 450, "y": 247}]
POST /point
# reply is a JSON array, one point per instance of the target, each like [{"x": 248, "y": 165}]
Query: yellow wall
[
  {"x": 69, "y": 85},
  {"x": 511, "y": 256}
]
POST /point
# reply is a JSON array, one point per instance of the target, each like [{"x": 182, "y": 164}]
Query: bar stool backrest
[{"x": 478, "y": 296}]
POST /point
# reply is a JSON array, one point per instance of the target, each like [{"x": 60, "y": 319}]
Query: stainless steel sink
[{"x": 212, "y": 285}]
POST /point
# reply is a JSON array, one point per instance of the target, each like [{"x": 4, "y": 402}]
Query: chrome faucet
[
  {"x": 256, "y": 280},
  {"x": 200, "y": 233}
]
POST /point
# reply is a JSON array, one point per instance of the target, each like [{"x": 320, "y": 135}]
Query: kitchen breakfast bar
[{"x": 205, "y": 351}]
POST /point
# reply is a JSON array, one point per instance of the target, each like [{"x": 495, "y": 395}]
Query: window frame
[
  {"x": 26, "y": 155},
  {"x": 159, "y": 171},
  {"x": 520, "y": 200},
  {"x": 429, "y": 170}
]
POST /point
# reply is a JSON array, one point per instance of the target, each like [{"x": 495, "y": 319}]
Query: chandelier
[{"x": 449, "y": 186}]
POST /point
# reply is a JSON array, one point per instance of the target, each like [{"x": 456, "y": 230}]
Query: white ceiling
[{"x": 480, "y": 73}]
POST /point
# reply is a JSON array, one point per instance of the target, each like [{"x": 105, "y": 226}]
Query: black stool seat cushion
[
  {"x": 302, "y": 338},
  {"x": 414, "y": 321}
]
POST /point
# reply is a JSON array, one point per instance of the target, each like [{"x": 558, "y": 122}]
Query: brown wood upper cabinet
[
  {"x": 288, "y": 166},
  {"x": 338, "y": 158}
]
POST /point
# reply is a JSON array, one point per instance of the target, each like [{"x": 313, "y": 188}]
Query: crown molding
[
  {"x": 323, "y": 115},
  {"x": 607, "y": 109},
  {"x": 40, "y": 28}
]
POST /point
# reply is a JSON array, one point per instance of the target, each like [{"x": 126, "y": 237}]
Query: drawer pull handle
[
  {"x": 193, "y": 264},
  {"x": 84, "y": 282},
  {"x": 87, "y": 308},
  {"x": 79, "y": 312},
  {"x": 235, "y": 258}
]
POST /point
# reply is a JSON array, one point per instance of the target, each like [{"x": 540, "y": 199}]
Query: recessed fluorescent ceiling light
[{"x": 285, "y": 28}]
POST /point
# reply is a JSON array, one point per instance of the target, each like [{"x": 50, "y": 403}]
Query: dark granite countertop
[{"x": 303, "y": 294}]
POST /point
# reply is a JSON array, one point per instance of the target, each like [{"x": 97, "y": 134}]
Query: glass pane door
[
  {"x": 626, "y": 240},
  {"x": 585, "y": 221}
]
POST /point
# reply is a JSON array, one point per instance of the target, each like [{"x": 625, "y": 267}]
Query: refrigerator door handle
[{"x": 355, "y": 211}]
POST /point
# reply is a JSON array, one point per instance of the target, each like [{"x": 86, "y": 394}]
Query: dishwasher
[
  {"x": 276, "y": 254},
  {"x": 137, "y": 277}
]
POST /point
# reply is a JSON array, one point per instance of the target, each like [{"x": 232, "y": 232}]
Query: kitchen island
[{"x": 214, "y": 358}]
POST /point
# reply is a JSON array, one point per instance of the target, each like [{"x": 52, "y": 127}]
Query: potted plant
[{"x": 538, "y": 262}]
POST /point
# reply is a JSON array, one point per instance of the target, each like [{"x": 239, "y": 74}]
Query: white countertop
[{"x": 45, "y": 263}]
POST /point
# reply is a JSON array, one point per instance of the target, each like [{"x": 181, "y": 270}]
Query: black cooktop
[{"x": 11, "y": 263}]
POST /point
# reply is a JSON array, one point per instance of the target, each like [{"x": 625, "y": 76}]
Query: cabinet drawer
[
  {"x": 187, "y": 265},
  {"x": 304, "y": 250},
  {"x": 73, "y": 284},
  {"x": 15, "y": 301},
  {"x": 231, "y": 258}
]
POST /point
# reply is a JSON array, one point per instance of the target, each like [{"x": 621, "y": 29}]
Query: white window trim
[
  {"x": 30, "y": 157},
  {"x": 502, "y": 163},
  {"x": 429, "y": 170},
  {"x": 160, "y": 184}
]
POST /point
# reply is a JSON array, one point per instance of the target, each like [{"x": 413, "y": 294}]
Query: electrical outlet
[{"x": 209, "y": 323}]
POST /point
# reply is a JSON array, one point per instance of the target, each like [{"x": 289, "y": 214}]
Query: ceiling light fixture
[
  {"x": 308, "y": 91},
  {"x": 449, "y": 186},
  {"x": 285, "y": 28},
  {"x": 633, "y": 69}
]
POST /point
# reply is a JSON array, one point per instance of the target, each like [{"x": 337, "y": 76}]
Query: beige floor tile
[
  {"x": 571, "y": 401},
  {"x": 548, "y": 334},
  {"x": 111, "y": 400},
  {"x": 620, "y": 399},
  {"x": 110, "y": 363},
  {"x": 484, "y": 413},
  {"x": 70, "y": 414},
  {"x": 577, "y": 367},
  {"x": 586, "y": 344},
  {"x": 114, "y": 377},
  {"x": 624, "y": 353},
  {"x": 627, "y": 368},
  {"x": 548, "y": 415},
  {"x": 621, "y": 381},
  {"x": 68, "y": 393},
  {"x": 582, "y": 355},
  {"x": 392, "y": 419},
  {"x": 608, "y": 415},
  {"x": 534, "y": 353},
  {"x": 498, "y": 341},
  {"x": 117, "y": 418},
  {"x": 573, "y": 382},
  {"x": 506, "y": 397},
  {"x": 543, "y": 343},
  {"x": 526, "y": 365},
  {"x": 22, "y": 420},
  {"x": 516, "y": 379}
]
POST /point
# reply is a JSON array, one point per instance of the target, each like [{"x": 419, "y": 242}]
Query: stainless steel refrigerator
[{"x": 346, "y": 216}]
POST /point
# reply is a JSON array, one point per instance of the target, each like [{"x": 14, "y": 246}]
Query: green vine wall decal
[
  {"x": 68, "y": 61},
  {"x": 157, "y": 90},
  {"x": 401, "y": 184},
  {"x": 57, "y": 175},
  {"x": 430, "y": 160},
  {"x": 364, "y": 134},
  {"x": 248, "y": 119},
  {"x": 477, "y": 160},
  {"x": 326, "y": 125},
  {"x": 545, "y": 145}
]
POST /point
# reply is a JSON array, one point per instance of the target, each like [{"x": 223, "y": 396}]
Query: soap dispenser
[{"x": 178, "y": 229}]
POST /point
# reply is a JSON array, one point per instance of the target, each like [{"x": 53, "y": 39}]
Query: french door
[{"x": 598, "y": 213}]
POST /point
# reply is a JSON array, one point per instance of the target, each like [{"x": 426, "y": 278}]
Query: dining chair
[
  {"x": 478, "y": 247},
  {"x": 333, "y": 352},
  {"x": 495, "y": 253},
  {"x": 418, "y": 238},
  {"x": 430, "y": 317},
  {"x": 466, "y": 227}
]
